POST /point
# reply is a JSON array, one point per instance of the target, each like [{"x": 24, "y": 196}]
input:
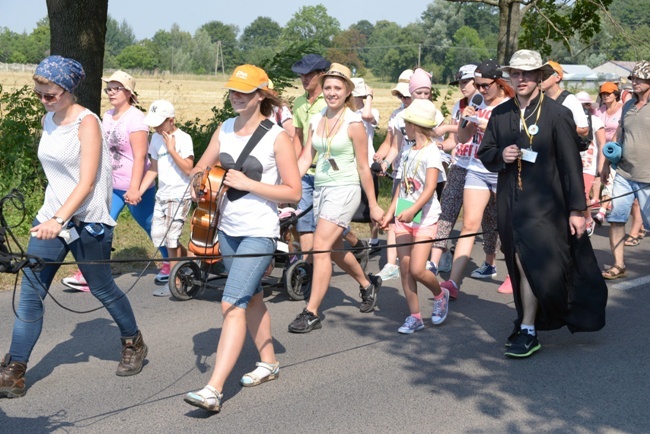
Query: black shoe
[
  {"x": 305, "y": 322},
  {"x": 524, "y": 345},
  {"x": 369, "y": 295},
  {"x": 374, "y": 248},
  {"x": 360, "y": 249},
  {"x": 512, "y": 337}
]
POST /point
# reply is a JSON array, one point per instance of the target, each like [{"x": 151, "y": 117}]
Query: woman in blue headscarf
[{"x": 75, "y": 217}]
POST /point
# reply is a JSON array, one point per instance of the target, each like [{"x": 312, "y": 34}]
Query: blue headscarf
[{"x": 65, "y": 72}]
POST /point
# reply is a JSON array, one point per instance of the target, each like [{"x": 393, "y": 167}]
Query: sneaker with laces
[
  {"x": 163, "y": 274},
  {"x": 506, "y": 286},
  {"x": 305, "y": 322},
  {"x": 451, "y": 287},
  {"x": 599, "y": 218},
  {"x": 485, "y": 271},
  {"x": 369, "y": 295},
  {"x": 76, "y": 281},
  {"x": 446, "y": 261},
  {"x": 523, "y": 345},
  {"x": 412, "y": 324},
  {"x": 389, "y": 272},
  {"x": 440, "y": 308},
  {"x": 432, "y": 267}
]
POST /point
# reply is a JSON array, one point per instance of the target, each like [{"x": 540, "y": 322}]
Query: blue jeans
[
  {"x": 244, "y": 274},
  {"x": 622, "y": 206},
  {"x": 88, "y": 247},
  {"x": 306, "y": 223},
  {"x": 142, "y": 212}
]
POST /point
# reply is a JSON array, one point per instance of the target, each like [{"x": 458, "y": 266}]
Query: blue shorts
[
  {"x": 306, "y": 223},
  {"x": 244, "y": 274},
  {"x": 622, "y": 205},
  {"x": 481, "y": 181}
]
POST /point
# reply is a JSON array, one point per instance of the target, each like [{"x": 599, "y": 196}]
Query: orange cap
[
  {"x": 247, "y": 79},
  {"x": 557, "y": 68},
  {"x": 608, "y": 87}
]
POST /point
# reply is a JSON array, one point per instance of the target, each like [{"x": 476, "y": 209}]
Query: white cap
[{"x": 158, "y": 112}]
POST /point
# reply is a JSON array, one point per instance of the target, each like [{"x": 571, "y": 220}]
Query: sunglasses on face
[
  {"x": 47, "y": 97},
  {"x": 484, "y": 86},
  {"x": 109, "y": 90},
  {"x": 400, "y": 96}
]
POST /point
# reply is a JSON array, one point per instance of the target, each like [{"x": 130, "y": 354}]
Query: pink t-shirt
[
  {"x": 611, "y": 122},
  {"x": 117, "y": 134}
]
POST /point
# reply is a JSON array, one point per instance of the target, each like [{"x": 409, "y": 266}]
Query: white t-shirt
[
  {"x": 249, "y": 215},
  {"x": 579, "y": 117},
  {"x": 172, "y": 181},
  {"x": 590, "y": 156},
  {"x": 370, "y": 132},
  {"x": 483, "y": 113},
  {"x": 413, "y": 171},
  {"x": 462, "y": 155},
  {"x": 396, "y": 124}
]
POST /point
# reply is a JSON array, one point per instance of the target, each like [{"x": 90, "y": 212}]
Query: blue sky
[{"x": 146, "y": 17}]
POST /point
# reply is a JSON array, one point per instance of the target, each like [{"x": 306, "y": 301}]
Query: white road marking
[{"x": 629, "y": 284}]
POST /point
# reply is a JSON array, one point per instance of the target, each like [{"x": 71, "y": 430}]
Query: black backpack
[{"x": 584, "y": 142}]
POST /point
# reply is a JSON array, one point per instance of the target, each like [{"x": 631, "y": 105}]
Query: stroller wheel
[
  {"x": 297, "y": 280},
  {"x": 188, "y": 273}
]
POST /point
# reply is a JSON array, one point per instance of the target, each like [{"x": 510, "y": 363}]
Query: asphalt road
[{"x": 357, "y": 374}]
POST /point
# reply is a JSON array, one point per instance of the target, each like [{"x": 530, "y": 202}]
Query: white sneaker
[
  {"x": 389, "y": 271},
  {"x": 446, "y": 261}
]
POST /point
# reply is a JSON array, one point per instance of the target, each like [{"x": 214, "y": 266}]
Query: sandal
[
  {"x": 207, "y": 398},
  {"x": 631, "y": 241},
  {"x": 614, "y": 272},
  {"x": 263, "y": 373}
]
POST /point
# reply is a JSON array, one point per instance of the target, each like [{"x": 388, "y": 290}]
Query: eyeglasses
[
  {"x": 484, "y": 86},
  {"x": 400, "y": 96},
  {"x": 47, "y": 97},
  {"x": 109, "y": 90},
  {"x": 526, "y": 75}
]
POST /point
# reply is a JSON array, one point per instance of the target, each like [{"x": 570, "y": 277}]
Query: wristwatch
[{"x": 59, "y": 220}]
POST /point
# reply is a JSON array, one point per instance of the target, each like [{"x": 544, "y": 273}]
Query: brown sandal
[
  {"x": 631, "y": 241},
  {"x": 615, "y": 272}
]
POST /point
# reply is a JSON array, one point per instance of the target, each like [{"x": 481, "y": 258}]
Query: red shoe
[
  {"x": 506, "y": 286},
  {"x": 451, "y": 287}
]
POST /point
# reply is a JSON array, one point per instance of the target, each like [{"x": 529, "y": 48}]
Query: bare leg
[
  {"x": 231, "y": 342},
  {"x": 617, "y": 243},
  {"x": 409, "y": 285},
  {"x": 258, "y": 321},
  {"x": 636, "y": 228},
  {"x": 528, "y": 299},
  {"x": 306, "y": 244}
]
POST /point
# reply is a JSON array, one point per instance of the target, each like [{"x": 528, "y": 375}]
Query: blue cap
[{"x": 310, "y": 63}]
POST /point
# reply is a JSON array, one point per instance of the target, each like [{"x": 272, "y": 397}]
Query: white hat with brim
[
  {"x": 402, "y": 86},
  {"x": 422, "y": 112},
  {"x": 360, "y": 88},
  {"x": 584, "y": 98},
  {"x": 528, "y": 60},
  {"x": 159, "y": 111}
]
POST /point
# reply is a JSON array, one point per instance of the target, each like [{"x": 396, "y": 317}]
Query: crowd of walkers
[{"x": 523, "y": 159}]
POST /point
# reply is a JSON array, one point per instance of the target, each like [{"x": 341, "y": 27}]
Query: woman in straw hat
[
  {"x": 338, "y": 136},
  {"x": 248, "y": 224},
  {"x": 416, "y": 210},
  {"x": 127, "y": 137}
]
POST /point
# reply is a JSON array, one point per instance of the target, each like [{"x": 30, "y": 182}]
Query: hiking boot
[
  {"x": 369, "y": 295},
  {"x": 305, "y": 322},
  {"x": 134, "y": 351},
  {"x": 12, "y": 378},
  {"x": 524, "y": 345}
]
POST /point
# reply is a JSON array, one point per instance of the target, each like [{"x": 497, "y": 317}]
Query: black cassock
[{"x": 534, "y": 222}]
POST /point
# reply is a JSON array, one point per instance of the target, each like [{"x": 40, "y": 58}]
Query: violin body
[{"x": 203, "y": 238}]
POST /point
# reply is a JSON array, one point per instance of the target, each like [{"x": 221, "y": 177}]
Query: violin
[{"x": 205, "y": 219}]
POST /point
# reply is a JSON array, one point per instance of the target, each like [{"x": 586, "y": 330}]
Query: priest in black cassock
[{"x": 531, "y": 141}]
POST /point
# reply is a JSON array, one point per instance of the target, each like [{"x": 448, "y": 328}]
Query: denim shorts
[
  {"x": 481, "y": 181},
  {"x": 244, "y": 273},
  {"x": 337, "y": 204},
  {"x": 306, "y": 223},
  {"x": 622, "y": 205}
]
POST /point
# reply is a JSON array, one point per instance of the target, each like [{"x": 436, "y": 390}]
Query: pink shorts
[{"x": 416, "y": 230}]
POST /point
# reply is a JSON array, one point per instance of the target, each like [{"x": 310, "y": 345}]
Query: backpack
[{"x": 584, "y": 142}]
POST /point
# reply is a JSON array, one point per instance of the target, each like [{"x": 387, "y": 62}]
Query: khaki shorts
[{"x": 168, "y": 219}]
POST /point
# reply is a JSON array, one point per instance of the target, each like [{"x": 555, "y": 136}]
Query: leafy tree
[
  {"x": 203, "y": 53},
  {"x": 544, "y": 20},
  {"x": 391, "y": 49},
  {"x": 364, "y": 27},
  {"x": 439, "y": 23},
  {"x": 118, "y": 36},
  {"x": 468, "y": 47},
  {"x": 226, "y": 34},
  {"x": 345, "y": 49},
  {"x": 311, "y": 22},
  {"x": 259, "y": 40},
  {"x": 137, "y": 57}
]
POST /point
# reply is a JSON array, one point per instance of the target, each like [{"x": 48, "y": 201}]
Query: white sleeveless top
[
  {"x": 249, "y": 215},
  {"x": 59, "y": 152}
]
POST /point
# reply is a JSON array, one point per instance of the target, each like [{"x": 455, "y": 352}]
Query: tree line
[{"x": 444, "y": 36}]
